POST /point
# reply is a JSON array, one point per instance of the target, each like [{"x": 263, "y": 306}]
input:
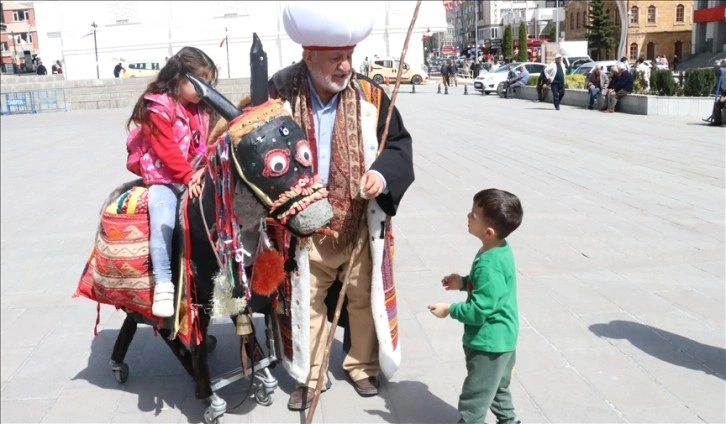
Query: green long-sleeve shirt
[{"x": 490, "y": 315}]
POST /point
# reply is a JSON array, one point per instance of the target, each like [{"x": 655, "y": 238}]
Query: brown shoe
[
  {"x": 367, "y": 386},
  {"x": 302, "y": 397}
]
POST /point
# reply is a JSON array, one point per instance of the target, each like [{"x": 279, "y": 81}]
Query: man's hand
[
  {"x": 371, "y": 185},
  {"x": 195, "y": 183},
  {"x": 441, "y": 310}
]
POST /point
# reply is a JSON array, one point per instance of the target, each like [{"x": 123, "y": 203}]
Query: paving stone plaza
[{"x": 620, "y": 260}]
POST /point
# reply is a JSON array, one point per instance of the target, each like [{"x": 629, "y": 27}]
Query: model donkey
[{"x": 261, "y": 167}]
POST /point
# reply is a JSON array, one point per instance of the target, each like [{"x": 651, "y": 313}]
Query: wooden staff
[{"x": 356, "y": 251}]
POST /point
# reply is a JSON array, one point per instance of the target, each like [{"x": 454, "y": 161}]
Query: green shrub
[
  {"x": 575, "y": 81},
  {"x": 532, "y": 80},
  {"x": 661, "y": 82},
  {"x": 699, "y": 82}
]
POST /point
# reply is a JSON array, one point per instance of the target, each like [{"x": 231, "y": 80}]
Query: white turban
[{"x": 323, "y": 25}]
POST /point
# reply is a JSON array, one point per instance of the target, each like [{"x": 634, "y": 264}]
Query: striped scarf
[{"x": 347, "y": 163}]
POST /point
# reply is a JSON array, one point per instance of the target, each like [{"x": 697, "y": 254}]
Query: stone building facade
[{"x": 654, "y": 27}]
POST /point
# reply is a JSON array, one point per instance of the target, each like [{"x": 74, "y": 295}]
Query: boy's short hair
[{"x": 502, "y": 209}]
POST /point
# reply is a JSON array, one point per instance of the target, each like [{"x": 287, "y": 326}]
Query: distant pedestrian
[
  {"x": 543, "y": 86},
  {"x": 118, "y": 70},
  {"x": 59, "y": 67},
  {"x": 676, "y": 61},
  {"x": 489, "y": 314},
  {"x": 365, "y": 66},
  {"x": 445, "y": 74},
  {"x": 453, "y": 71},
  {"x": 41, "y": 70},
  {"x": 555, "y": 72}
]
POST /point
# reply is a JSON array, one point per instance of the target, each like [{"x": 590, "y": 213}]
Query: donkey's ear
[
  {"x": 214, "y": 98},
  {"x": 222, "y": 124}
]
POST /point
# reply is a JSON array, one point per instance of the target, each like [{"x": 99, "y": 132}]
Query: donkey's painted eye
[
  {"x": 277, "y": 162},
  {"x": 284, "y": 131},
  {"x": 303, "y": 153}
]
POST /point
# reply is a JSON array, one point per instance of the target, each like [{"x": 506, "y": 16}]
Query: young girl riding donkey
[{"x": 168, "y": 150}]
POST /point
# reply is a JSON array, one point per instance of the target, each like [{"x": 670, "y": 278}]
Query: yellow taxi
[
  {"x": 142, "y": 68},
  {"x": 388, "y": 68}
]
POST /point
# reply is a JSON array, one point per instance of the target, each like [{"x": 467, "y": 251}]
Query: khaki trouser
[
  {"x": 329, "y": 260},
  {"x": 613, "y": 99}
]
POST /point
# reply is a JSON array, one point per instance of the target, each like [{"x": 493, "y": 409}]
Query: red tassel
[{"x": 268, "y": 272}]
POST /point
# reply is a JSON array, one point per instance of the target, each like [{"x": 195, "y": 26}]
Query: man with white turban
[{"x": 343, "y": 115}]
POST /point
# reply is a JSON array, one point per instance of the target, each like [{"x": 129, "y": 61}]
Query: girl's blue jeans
[{"x": 163, "y": 200}]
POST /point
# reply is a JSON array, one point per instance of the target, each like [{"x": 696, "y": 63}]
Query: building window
[
  {"x": 680, "y": 13},
  {"x": 634, "y": 15},
  {"x": 21, "y": 15},
  {"x": 584, "y": 18},
  {"x": 651, "y": 14},
  {"x": 633, "y": 51},
  {"x": 678, "y": 49},
  {"x": 4, "y": 46},
  {"x": 572, "y": 21},
  {"x": 578, "y": 19},
  {"x": 617, "y": 17}
]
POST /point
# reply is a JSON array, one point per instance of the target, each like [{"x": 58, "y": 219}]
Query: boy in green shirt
[{"x": 490, "y": 317}]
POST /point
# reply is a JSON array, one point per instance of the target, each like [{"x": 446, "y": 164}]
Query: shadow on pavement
[
  {"x": 159, "y": 380},
  {"x": 414, "y": 403},
  {"x": 667, "y": 346}
]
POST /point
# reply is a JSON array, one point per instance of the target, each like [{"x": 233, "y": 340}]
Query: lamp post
[
  {"x": 557, "y": 21},
  {"x": 624, "y": 22},
  {"x": 15, "y": 52},
  {"x": 95, "y": 48}
]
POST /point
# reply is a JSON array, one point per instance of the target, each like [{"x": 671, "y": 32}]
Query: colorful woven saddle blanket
[{"x": 119, "y": 270}]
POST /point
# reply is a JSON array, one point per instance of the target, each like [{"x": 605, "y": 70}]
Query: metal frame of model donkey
[{"x": 270, "y": 170}]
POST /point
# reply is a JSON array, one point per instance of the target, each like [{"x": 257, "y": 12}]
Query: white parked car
[{"x": 489, "y": 82}]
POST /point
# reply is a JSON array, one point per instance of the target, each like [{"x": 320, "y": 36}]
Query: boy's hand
[
  {"x": 195, "y": 183},
  {"x": 441, "y": 310},
  {"x": 452, "y": 282}
]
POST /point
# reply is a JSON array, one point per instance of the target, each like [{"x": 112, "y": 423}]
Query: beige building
[{"x": 654, "y": 27}]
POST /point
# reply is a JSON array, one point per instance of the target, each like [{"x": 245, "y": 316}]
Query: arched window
[
  {"x": 572, "y": 20},
  {"x": 650, "y": 52},
  {"x": 678, "y": 49},
  {"x": 584, "y": 18},
  {"x": 634, "y": 16},
  {"x": 651, "y": 14},
  {"x": 680, "y": 13},
  {"x": 578, "y": 19},
  {"x": 633, "y": 51},
  {"x": 617, "y": 17}
]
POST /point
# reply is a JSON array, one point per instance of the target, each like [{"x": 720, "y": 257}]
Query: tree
[
  {"x": 553, "y": 32},
  {"x": 523, "y": 56},
  {"x": 507, "y": 43},
  {"x": 600, "y": 29}
]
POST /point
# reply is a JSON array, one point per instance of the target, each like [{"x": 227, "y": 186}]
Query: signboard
[
  {"x": 711, "y": 14},
  {"x": 448, "y": 50}
]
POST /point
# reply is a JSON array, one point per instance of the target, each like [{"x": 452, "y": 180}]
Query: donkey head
[{"x": 271, "y": 153}]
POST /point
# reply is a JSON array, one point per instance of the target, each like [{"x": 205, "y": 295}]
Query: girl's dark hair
[
  {"x": 188, "y": 59},
  {"x": 502, "y": 209}
]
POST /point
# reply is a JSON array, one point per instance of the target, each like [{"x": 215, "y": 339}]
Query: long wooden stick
[{"x": 357, "y": 249}]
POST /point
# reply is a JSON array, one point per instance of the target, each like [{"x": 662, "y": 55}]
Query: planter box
[{"x": 636, "y": 104}]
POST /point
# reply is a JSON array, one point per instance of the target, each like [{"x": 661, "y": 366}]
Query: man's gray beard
[{"x": 327, "y": 81}]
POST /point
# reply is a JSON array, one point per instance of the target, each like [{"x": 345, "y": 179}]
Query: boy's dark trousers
[{"x": 487, "y": 386}]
